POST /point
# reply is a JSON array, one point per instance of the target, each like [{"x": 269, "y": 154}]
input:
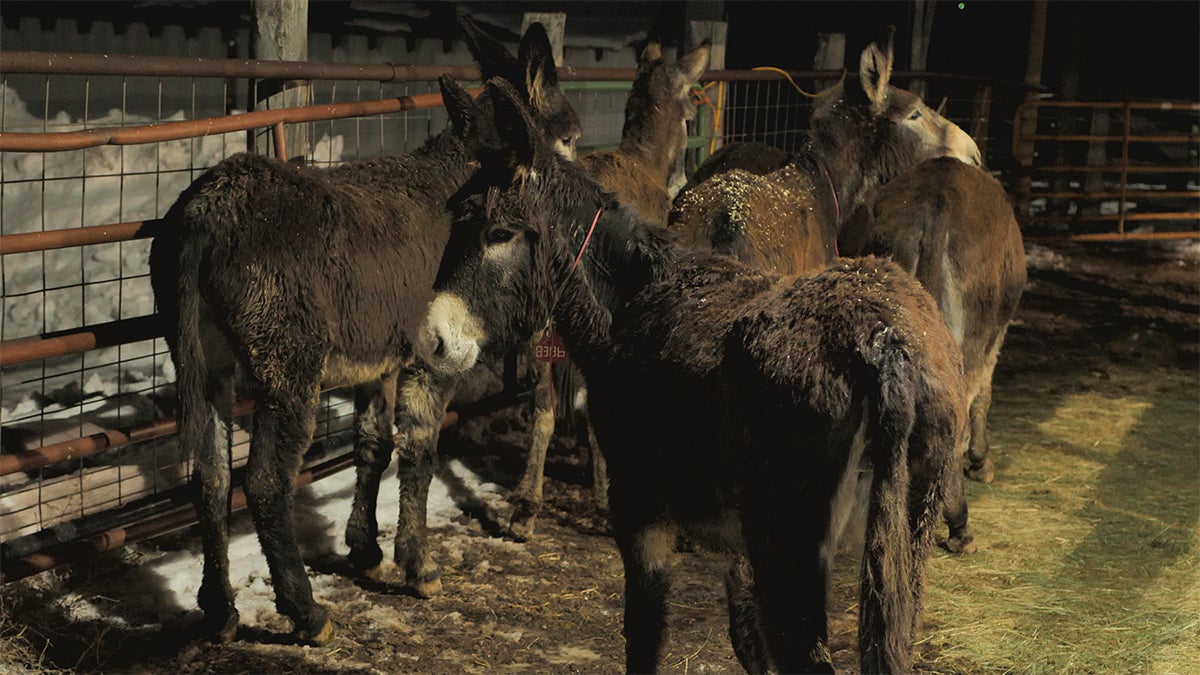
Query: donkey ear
[
  {"x": 493, "y": 58},
  {"x": 650, "y": 53},
  {"x": 464, "y": 115},
  {"x": 514, "y": 127},
  {"x": 875, "y": 70},
  {"x": 537, "y": 59},
  {"x": 690, "y": 68}
]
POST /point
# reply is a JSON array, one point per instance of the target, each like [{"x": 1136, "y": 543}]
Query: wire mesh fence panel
[{"x": 64, "y": 400}]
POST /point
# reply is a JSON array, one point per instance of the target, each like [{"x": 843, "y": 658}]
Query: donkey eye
[
  {"x": 916, "y": 115},
  {"x": 499, "y": 235}
]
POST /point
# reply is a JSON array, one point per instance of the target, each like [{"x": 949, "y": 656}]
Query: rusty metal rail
[
  {"x": 27, "y": 242},
  {"x": 77, "y": 63},
  {"x": 75, "y": 340},
  {"x": 53, "y": 141}
]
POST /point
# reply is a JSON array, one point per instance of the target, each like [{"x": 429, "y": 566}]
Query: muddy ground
[{"x": 1099, "y": 319}]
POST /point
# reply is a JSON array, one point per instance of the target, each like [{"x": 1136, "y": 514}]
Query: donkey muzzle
[{"x": 451, "y": 338}]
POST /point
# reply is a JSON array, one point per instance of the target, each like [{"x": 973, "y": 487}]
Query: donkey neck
[
  {"x": 623, "y": 254},
  {"x": 836, "y": 162},
  {"x": 644, "y": 141}
]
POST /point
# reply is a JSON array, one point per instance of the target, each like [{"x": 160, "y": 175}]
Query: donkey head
[
  {"x": 497, "y": 281},
  {"x": 659, "y": 107},
  {"x": 532, "y": 72},
  {"x": 882, "y": 128}
]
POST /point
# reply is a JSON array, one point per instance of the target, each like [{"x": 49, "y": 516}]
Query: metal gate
[{"x": 1111, "y": 170}]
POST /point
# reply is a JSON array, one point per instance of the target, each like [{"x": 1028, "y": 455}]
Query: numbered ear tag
[{"x": 550, "y": 348}]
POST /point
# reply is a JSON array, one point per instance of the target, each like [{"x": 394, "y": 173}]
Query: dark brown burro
[
  {"x": 277, "y": 280},
  {"x": 750, "y": 411}
]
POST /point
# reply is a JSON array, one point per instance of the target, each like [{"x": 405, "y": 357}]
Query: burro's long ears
[
  {"x": 558, "y": 121},
  {"x": 493, "y": 58},
  {"x": 516, "y": 132},
  {"x": 464, "y": 114},
  {"x": 650, "y": 54},
  {"x": 690, "y": 67},
  {"x": 541, "y": 75},
  {"x": 875, "y": 70}
]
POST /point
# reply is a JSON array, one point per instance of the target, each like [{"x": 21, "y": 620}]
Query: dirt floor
[{"x": 1088, "y": 538}]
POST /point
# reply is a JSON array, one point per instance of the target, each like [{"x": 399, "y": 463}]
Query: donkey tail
[
  {"x": 177, "y": 268},
  {"x": 934, "y": 223},
  {"x": 896, "y": 545}
]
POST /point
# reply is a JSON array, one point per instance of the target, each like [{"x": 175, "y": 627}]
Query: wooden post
[
  {"x": 922, "y": 27},
  {"x": 831, "y": 55},
  {"x": 555, "y": 24},
  {"x": 281, "y": 33},
  {"x": 1097, "y": 152},
  {"x": 1027, "y": 124},
  {"x": 979, "y": 119},
  {"x": 695, "y": 33}
]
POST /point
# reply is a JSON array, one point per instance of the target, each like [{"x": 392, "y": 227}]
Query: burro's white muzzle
[
  {"x": 963, "y": 147},
  {"x": 451, "y": 338}
]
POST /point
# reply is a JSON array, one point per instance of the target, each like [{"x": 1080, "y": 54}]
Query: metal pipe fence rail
[
  {"x": 88, "y": 456},
  {"x": 1113, "y": 170}
]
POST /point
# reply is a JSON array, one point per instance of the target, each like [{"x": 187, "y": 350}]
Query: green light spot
[{"x": 962, "y": 5}]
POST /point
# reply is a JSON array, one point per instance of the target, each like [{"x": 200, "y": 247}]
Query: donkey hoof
[
  {"x": 372, "y": 573},
  {"x": 522, "y": 529},
  {"x": 365, "y": 562},
  {"x": 524, "y": 519},
  {"x": 221, "y": 630},
  {"x": 427, "y": 585},
  {"x": 984, "y": 473},
  {"x": 961, "y": 545},
  {"x": 316, "y": 638}
]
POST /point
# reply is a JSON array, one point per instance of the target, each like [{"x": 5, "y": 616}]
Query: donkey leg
[
  {"x": 979, "y": 466},
  {"x": 599, "y": 468},
  {"x": 644, "y": 553},
  {"x": 374, "y": 410},
  {"x": 745, "y": 627},
  {"x": 585, "y": 436},
  {"x": 205, "y": 426},
  {"x": 283, "y": 429},
  {"x": 790, "y": 583},
  {"x": 527, "y": 501},
  {"x": 961, "y": 539},
  {"x": 420, "y": 406}
]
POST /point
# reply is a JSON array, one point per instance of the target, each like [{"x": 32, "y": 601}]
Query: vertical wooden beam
[
  {"x": 922, "y": 28},
  {"x": 555, "y": 24},
  {"x": 716, "y": 32},
  {"x": 281, "y": 33},
  {"x": 831, "y": 55},
  {"x": 1097, "y": 151},
  {"x": 980, "y": 114},
  {"x": 1027, "y": 124}
]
